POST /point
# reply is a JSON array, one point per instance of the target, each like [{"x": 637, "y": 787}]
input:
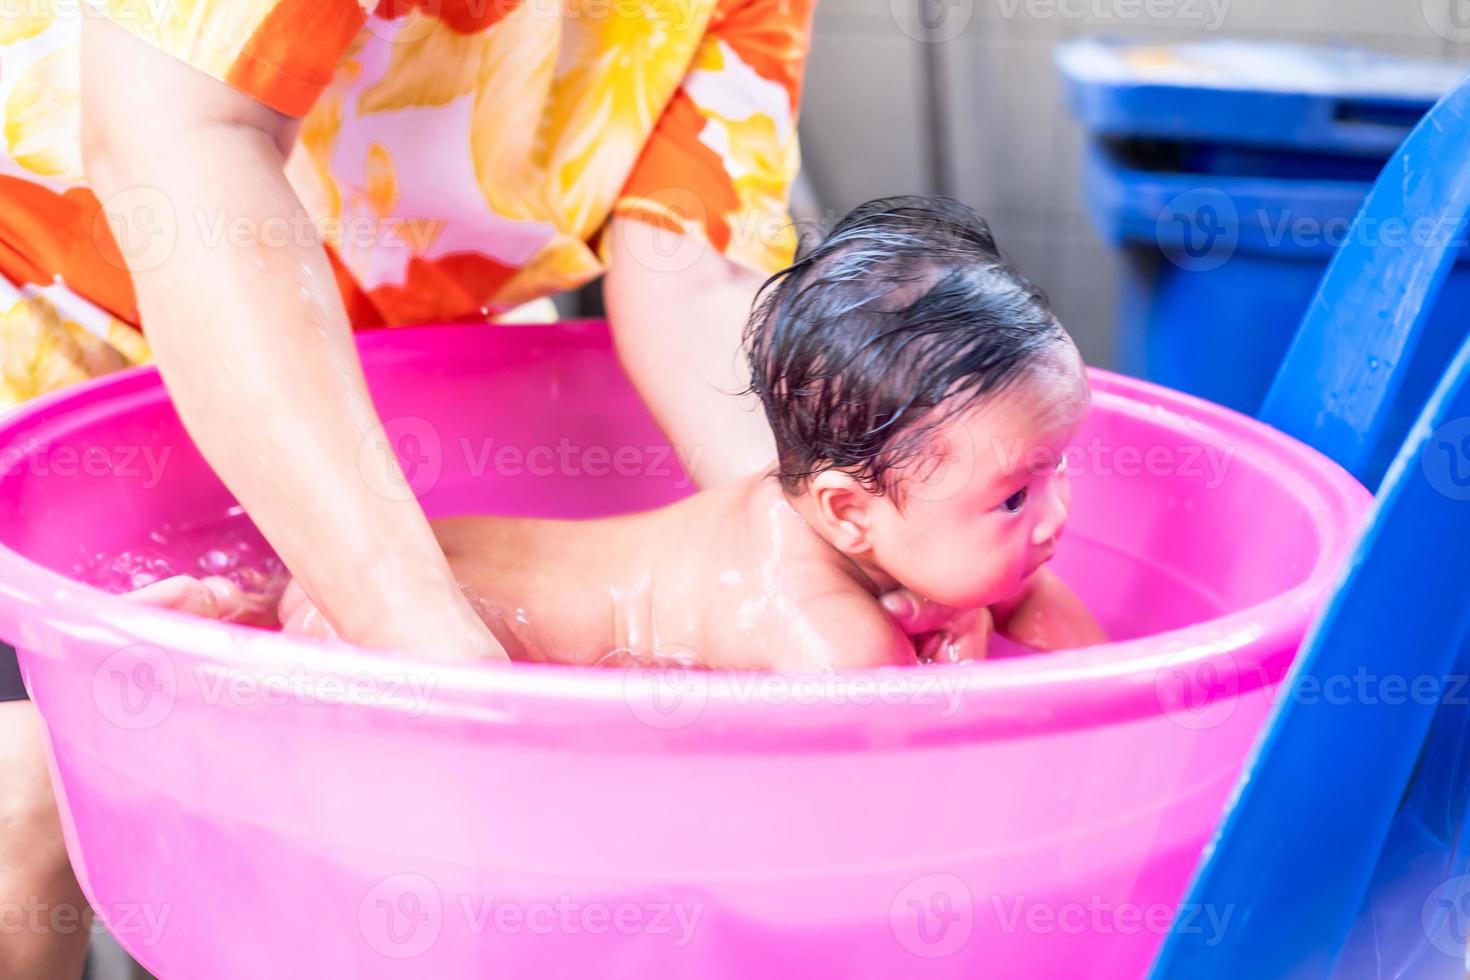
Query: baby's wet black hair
[{"x": 903, "y": 316}]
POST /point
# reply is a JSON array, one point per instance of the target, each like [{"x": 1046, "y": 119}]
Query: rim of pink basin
[{"x": 1010, "y": 697}]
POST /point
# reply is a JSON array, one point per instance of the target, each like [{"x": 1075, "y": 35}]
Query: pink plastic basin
[{"x": 242, "y": 805}]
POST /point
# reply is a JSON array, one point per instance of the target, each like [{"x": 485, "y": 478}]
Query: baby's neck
[{"x": 862, "y": 566}]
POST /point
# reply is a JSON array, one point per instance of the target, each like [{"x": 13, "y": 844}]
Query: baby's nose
[{"x": 1049, "y": 528}]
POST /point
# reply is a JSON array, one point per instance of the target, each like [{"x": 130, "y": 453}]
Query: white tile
[
  {"x": 1071, "y": 141},
  {"x": 1456, "y": 50},
  {"x": 1450, "y": 21},
  {"x": 1021, "y": 20},
  {"x": 1274, "y": 18},
  {"x": 1005, "y": 118},
  {"x": 1082, "y": 283},
  {"x": 1405, "y": 19},
  {"x": 1160, "y": 19},
  {"x": 1023, "y": 242},
  {"x": 1182, "y": 20},
  {"x": 861, "y": 14},
  {"x": 933, "y": 21},
  {"x": 1427, "y": 46},
  {"x": 860, "y": 127},
  {"x": 1012, "y": 147}
]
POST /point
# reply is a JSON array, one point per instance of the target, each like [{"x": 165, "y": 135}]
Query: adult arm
[
  {"x": 702, "y": 221},
  {"x": 254, "y": 344},
  {"x": 678, "y": 329}
]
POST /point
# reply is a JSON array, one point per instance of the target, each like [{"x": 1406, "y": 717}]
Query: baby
[{"x": 921, "y": 394}]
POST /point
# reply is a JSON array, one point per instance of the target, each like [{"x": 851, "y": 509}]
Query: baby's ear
[{"x": 842, "y": 509}]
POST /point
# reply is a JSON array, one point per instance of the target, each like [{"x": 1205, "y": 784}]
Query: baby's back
[{"x": 724, "y": 579}]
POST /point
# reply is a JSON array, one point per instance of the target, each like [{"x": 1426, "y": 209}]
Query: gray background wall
[{"x": 1011, "y": 147}]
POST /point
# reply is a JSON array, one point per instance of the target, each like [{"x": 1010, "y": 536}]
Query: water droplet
[{"x": 231, "y": 547}]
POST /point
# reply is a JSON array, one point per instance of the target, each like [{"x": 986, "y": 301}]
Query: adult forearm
[
  {"x": 678, "y": 328},
  {"x": 250, "y": 334}
]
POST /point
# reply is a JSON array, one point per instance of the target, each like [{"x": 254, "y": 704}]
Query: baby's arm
[
  {"x": 858, "y": 631},
  {"x": 1047, "y": 615}
]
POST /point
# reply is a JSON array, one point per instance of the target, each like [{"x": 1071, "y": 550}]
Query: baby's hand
[
  {"x": 941, "y": 634},
  {"x": 1047, "y": 615},
  {"x": 213, "y": 597}
]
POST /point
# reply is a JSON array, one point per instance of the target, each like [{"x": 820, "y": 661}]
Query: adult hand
[
  {"x": 300, "y": 616},
  {"x": 213, "y": 597},
  {"x": 255, "y": 347},
  {"x": 216, "y": 597},
  {"x": 1048, "y": 615},
  {"x": 1044, "y": 615},
  {"x": 940, "y": 634}
]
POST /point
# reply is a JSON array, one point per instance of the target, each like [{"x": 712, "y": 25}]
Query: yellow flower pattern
[
  {"x": 483, "y": 148},
  {"x": 41, "y": 117},
  {"x": 40, "y": 351}
]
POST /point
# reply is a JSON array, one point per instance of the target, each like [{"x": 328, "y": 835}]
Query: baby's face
[{"x": 976, "y": 520}]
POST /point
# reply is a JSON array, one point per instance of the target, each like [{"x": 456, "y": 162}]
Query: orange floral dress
[{"x": 459, "y": 157}]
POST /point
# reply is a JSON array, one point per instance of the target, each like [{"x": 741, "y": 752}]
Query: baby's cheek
[
  {"x": 1013, "y": 554},
  {"x": 992, "y": 581},
  {"x": 1018, "y": 572}
]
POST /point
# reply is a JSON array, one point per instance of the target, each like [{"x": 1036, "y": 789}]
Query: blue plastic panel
[{"x": 1339, "y": 99}]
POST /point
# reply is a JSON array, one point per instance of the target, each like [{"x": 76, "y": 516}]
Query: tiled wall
[{"x": 1011, "y": 147}]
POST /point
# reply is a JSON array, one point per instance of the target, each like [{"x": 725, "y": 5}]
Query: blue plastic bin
[{"x": 1228, "y": 172}]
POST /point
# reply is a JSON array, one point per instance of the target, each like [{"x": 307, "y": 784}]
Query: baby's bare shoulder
[
  {"x": 787, "y": 601},
  {"x": 819, "y": 621}
]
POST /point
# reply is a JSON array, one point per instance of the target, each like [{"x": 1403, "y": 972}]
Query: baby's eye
[{"x": 1015, "y": 501}]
